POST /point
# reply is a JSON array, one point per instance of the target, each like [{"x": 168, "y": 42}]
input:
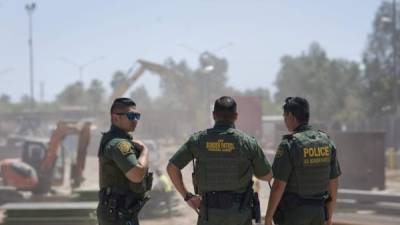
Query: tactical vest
[
  {"x": 221, "y": 164},
  {"x": 112, "y": 176},
  {"x": 310, "y": 154}
]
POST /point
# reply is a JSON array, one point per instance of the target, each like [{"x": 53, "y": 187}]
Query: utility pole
[
  {"x": 30, "y": 8},
  {"x": 395, "y": 50},
  {"x": 42, "y": 91},
  {"x": 395, "y": 74}
]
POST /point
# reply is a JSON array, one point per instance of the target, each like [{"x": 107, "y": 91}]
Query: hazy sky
[{"x": 122, "y": 31}]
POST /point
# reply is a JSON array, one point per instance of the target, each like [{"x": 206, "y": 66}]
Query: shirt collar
[
  {"x": 302, "y": 127},
  {"x": 224, "y": 125},
  {"x": 119, "y": 132}
]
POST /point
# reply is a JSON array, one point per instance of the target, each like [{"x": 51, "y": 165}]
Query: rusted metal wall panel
[{"x": 362, "y": 159}]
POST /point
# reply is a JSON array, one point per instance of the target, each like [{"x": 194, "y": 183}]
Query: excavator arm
[
  {"x": 124, "y": 86},
  {"x": 79, "y": 166},
  {"x": 144, "y": 65},
  {"x": 62, "y": 130}
]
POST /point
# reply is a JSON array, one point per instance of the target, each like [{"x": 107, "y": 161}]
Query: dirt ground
[{"x": 188, "y": 216}]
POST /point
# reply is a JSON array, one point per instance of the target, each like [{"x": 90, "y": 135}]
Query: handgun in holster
[
  {"x": 255, "y": 209},
  {"x": 196, "y": 190},
  {"x": 112, "y": 208},
  {"x": 108, "y": 203},
  {"x": 247, "y": 199},
  {"x": 136, "y": 205},
  {"x": 326, "y": 212}
]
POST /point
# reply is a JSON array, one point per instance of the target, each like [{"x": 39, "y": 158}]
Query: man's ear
[
  {"x": 114, "y": 118},
  {"x": 235, "y": 116},
  {"x": 293, "y": 118}
]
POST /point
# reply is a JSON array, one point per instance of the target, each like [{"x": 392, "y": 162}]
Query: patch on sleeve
[
  {"x": 125, "y": 148},
  {"x": 279, "y": 153}
]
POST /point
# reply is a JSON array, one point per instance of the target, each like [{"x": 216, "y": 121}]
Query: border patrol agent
[
  {"x": 225, "y": 160},
  {"x": 124, "y": 178},
  {"x": 306, "y": 172}
]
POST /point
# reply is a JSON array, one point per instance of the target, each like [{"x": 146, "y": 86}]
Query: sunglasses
[{"x": 131, "y": 115}]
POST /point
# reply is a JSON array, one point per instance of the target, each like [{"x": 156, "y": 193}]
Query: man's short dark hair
[
  {"x": 120, "y": 104},
  {"x": 299, "y": 107},
  {"x": 225, "y": 108},
  {"x": 225, "y": 104}
]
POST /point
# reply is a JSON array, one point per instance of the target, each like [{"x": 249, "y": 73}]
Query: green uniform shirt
[
  {"x": 117, "y": 156},
  {"x": 282, "y": 166},
  {"x": 249, "y": 147},
  {"x": 120, "y": 149}
]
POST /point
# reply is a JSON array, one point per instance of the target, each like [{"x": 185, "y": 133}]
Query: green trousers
[
  {"x": 122, "y": 220},
  {"x": 305, "y": 215},
  {"x": 230, "y": 216}
]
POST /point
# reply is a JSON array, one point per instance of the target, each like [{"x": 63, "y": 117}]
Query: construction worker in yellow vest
[{"x": 164, "y": 185}]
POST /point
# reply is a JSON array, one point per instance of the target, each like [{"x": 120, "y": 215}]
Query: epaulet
[
  {"x": 323, "y": 132},
  {"x": 233, "y": 130},
  {"x": 287, "y": 137},
  {"x": 197, "y": 134}
]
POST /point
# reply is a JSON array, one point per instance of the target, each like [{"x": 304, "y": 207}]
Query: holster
[
  {"x": 116, "y": 205},
  {"x": 145, "y": 185},
  {"x": 255, "y": 209},
  {"x": 196, "y": 190}
]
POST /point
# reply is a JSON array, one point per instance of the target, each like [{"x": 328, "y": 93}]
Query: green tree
[
  {"x": 141, "y": 97},
  {"x": 95, "y": 95},
  {"x": 379, "y": 63},
  {"x": 73, "y": 94},
  {"x": 5, "y": 103},
  {"x": 197, "y": 86},
  {"x": 325, "y": 82},
  {"x": 194, "y": 90},
  {"x": 118, "y": 78},
  {"x": 211, "y": 76},
  {"x": 25, "y": 100},
  {"x": 177, "y": 90},
  {"x": 5, "y": 99}
]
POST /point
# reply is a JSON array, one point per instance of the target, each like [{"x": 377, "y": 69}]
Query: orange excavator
[{"x": 39, "y": 168}]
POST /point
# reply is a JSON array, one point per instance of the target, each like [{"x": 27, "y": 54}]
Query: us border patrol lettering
[{"x": 220, "y": 146}]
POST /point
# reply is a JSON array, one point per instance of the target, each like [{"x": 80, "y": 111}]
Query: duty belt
[
  {"x": 115, "y": 203},
  {"x": 295, "y": 199},
  {"x": 290, "y": 201},
  {"x": 221, "y": 200}
]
